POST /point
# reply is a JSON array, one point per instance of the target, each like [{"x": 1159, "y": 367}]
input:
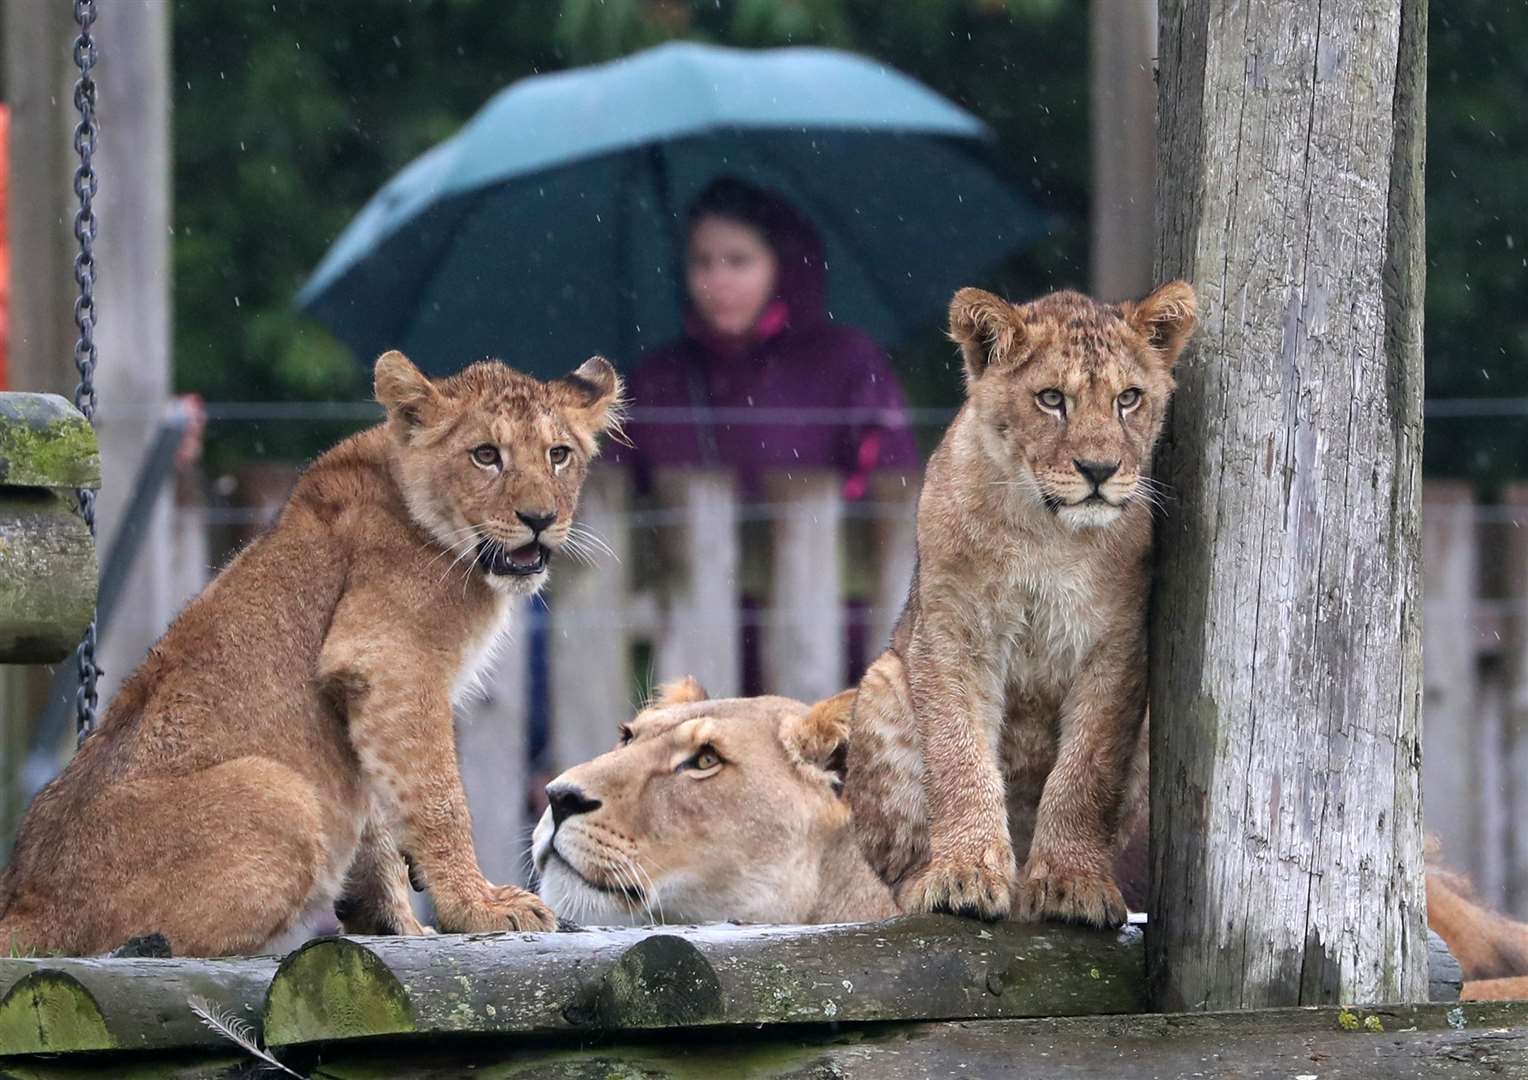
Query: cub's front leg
[
  {"x": 1068, "y": 874},
  {"x": 396, "y": 700},
  {"x": 956, "y": 697}
]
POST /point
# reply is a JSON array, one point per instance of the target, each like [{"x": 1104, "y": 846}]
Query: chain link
[{"x": 85, "y": 700}]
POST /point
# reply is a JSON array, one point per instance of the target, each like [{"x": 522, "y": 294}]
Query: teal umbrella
[{"x": 549, "y": 227}]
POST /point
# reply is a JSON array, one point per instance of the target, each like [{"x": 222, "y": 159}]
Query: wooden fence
[{"x": 1475, "y": 678}]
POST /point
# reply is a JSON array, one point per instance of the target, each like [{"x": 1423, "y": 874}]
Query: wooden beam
[
  {"x": 1286, "y": 635},
  {"x": 1122, "y": 121}
]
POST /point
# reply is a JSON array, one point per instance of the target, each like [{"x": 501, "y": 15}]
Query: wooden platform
[{"x": 910, "y": 997}]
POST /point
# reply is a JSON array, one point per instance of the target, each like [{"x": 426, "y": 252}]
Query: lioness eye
[
  {"x": 626, "y": 735},
  {"x": 1054, "y": 400},
  {"x": 559, "y": 455},
  {"x": 486, "y": 455},
  {"x": 705, "y": 758},
  {"x": 1129, "y": 399}
]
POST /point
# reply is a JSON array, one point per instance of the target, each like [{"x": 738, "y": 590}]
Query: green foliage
[{"x": 1477, "y": 233}]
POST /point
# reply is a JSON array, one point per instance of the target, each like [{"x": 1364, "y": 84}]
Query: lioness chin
[
  {"x": 291, "y": 734},
  {"x": 1000, "y": 729}
]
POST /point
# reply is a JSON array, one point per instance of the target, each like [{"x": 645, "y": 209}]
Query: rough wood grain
[
  {"x": 1286, "y": 658},
  {"x": 804, "y": 639}
]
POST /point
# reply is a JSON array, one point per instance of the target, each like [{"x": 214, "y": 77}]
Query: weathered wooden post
[{"x": 1286, "y": 666}]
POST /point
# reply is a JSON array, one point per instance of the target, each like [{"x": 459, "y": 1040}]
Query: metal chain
[{"x": 85, "y": 699}]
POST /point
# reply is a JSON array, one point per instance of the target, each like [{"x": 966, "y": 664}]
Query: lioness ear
[
  {"x": 595, "y": 394},
  {"x": 819, "y": 738},
  {"x": 403, "y": 390},
  {"x": 986, "y": 329},
  {"x": 680, "y": 692},
  {"x": 1166, "y": 319}
]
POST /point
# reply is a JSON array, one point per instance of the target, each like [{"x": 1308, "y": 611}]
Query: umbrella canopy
[{"x": 550, "y": 227}]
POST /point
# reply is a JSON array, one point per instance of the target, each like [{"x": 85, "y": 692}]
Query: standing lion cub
[
  {"x": 1000, "y": 729},
  {"x": 291, "y": 735}
]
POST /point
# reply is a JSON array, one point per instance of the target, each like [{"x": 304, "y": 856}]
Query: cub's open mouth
[{"x": 522, "y": 561}]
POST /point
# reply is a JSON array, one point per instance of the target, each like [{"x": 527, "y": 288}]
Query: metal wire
[{"x": 85, "y": 700}]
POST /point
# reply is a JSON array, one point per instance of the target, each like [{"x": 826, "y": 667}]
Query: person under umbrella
[{"x": 763, "y": 378}]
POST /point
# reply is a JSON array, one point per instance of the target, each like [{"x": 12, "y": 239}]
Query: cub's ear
[
  {"x": 1166, "y": 319},
  {"x": 986, "y": 328},
  {"x": 403, "y": 390},
  {"x": 683, "y": 691},
  {"x": 819, "y": 738},
  {"x": 596, "y": 396}
]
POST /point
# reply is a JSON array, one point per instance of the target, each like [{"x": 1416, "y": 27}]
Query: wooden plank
[
  {"x": 491, "y": 744},
  {"x": 1450, "y": 671},
  {"x": 1285, "y": 787},
  {"x": 701, "y": 630},
  {"x": 895, "y": 496},
  {"x": 804, "y": 638},
  {"x": 588, "y": 637}
]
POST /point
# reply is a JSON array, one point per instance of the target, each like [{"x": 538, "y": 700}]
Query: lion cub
[
  {"x": 291, "y": 734},
  {"x": 1004, "y": 719}
]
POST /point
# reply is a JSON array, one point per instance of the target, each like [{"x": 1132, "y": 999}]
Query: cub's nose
[
  {"x": 1096, "y": 471},
  {"x": 567, "y": 799},
  {"x": 536, "y": 523}
]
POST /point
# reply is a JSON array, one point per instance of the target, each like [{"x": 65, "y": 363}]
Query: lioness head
[
  {"x": 490, "y": 461},
  {"x": 1070, "y": 394},
  {"x": 709, "y": 811}
]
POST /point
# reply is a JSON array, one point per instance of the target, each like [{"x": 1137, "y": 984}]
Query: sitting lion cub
[
  {"x": 292, "y": 734},
  {"x": 1002, "y": 724}
]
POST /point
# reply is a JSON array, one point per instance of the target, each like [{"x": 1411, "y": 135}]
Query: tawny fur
[
  {"x": 1001, "y": 729},
  {"x": 291, "y": 734},
  {"x": 765, "y": 836}
]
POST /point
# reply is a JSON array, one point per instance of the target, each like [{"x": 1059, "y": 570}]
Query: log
[
  {"x": 48, "y": 575},
  {"x": 45, "y": 442},
  {"x": 600, "y": 980},
  {"x": 1286, "y": 628}
]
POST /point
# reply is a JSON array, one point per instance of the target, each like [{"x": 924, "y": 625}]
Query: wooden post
[
  {"x": 1449, "y": 671},
  {"x": 133, "y": 295},
  {"x": 589, "y": 654},
  {"x": 804, "y": 642},
  {"x": 1123, "y": 45},
  {"x": 701, "y": 633},
  {"x": 1515, "y": 757},
  {"x": 896, "y": 553},
  {"x": 1286, "y": 629}
]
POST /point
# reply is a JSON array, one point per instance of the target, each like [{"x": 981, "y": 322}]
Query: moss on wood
[
  {"x": 49, "y": 1012},
  {"x": 333, "y": 988},
  {"x": 46, "y": 442}
]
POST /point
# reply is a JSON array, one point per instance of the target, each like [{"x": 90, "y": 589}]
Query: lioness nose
[
  {"x": 568, "y": 799},
  {"x": 535, "y": 522},
  {"x": 1096, "y": 471}
]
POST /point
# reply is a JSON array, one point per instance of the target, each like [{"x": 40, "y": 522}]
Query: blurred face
[{"x": 731, "y": 274}]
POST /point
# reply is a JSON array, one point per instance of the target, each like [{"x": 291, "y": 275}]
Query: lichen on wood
[{"x": 46, "y": 442}]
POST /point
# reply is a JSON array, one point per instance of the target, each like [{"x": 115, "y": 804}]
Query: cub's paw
[
  {"x": 1047, "y": 891},
  {"x": 503, "y": 907},
  {"x": 975, "y": 889}
]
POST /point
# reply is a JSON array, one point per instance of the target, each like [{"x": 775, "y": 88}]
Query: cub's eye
[
  {"x": 559, "y": 455},
  {"x": 1051, "y": 400},
  {"x": 706, "y": 759},
  {"x": 1128, "y": 399},
  {"x": 486, "y": 455},
  {"x": 626, "y": 735}
]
